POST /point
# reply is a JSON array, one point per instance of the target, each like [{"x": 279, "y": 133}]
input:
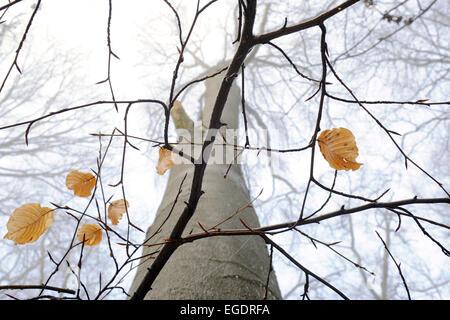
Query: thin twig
[
  {"x": 396, "y": 264},
  {"x": 24, "y": 36},
  {"x": 244, "y": 114},
  {"x": 388, "y": 132},
  {"x": 305, "y": 270},
  {"x": 266, "y": 287},
  {"x": 37, "y": 286}
]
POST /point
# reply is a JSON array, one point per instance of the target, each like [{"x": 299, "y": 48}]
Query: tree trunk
[{"x": 228, "y": 267}]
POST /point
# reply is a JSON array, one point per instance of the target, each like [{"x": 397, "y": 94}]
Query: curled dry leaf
[
  {"x": 28, "y": 223},
  {"x": 116, "y": 210},
  {"x": 81, "y": 183},
  {"x": 165, "y": 161},
  {"x": 91, "y": 233},
  {"x": 339, "y": 148}
]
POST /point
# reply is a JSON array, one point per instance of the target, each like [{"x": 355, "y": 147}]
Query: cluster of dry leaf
[{"x": 30, "y": 221}]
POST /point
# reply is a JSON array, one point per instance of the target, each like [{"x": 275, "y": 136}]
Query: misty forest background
[{"x": 394, "y": 53}]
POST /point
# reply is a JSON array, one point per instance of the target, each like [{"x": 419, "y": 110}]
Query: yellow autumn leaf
[
  {"x": 165, "y": 161},
  {"x": 91, "y": 233},
  {"x": 116, "y": 209},
  {"x": 81, "y": 183},
  {"x": 338, "y": 146},
  {"x": 28, "y": 223}
]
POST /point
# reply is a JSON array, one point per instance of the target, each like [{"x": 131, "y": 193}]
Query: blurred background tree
[{"x": 392, "y": 55}]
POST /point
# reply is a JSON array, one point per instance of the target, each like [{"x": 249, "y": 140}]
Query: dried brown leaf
[
  {"x": 91, "y": 233},
  {"x": 165, "y": 161},
  {"x": 338, "y": 146},
  {"x": 81, "y": 183},
  {"x": 28, "y": 223},
  {"x": 116, "y": 209}
]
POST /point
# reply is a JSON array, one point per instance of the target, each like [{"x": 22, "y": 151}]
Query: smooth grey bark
[{"x": 232, "y": 267}]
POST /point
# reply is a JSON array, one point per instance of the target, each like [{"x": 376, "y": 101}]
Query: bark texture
[{"x": 216, "y": 267}]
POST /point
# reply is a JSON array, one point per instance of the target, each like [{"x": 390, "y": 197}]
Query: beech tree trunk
[{"x": 231, "y": 267}]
